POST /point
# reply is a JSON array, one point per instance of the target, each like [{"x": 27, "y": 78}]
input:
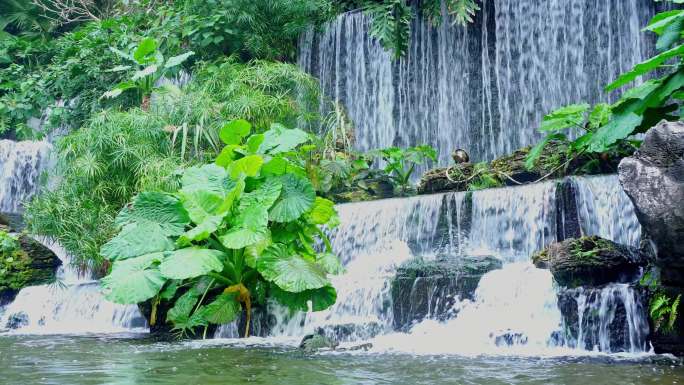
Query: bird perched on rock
[{"x": 460, "y": 156}]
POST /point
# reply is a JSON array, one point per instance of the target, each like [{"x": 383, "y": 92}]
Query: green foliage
[
  {"x": 663, "y": 311},
  {"x": 608, "y": 127},
  {"x": 252, "y": 29},
  {"x": 99, "y": 169},
  {"x": 392, "y": 18},
  {"x": 402, "y": 162},
  {"x": 149, "y": 65},
  {"x": 258, "y": 228},
  {"x": 8, "y": 244}
]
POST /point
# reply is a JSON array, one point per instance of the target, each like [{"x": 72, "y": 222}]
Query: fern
[
  {"x": 462, "y": 11},
  {"x": 673, "y": 313},
  {"x": 391, "y": 25}
]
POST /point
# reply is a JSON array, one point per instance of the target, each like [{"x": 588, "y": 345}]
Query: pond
[{"x": 130, "y": 359}]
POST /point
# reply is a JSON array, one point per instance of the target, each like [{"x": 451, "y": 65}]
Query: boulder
[
  {"x": 17, "y": 321},
  {"x": 590, "y": 261},
  {"x": 424, "y": 289},
  {"x": 454, "y": 178},
  {"x": 317, "y": 342},
  {"x": 653, "y": 178},
  {"x": 29, "y": 263}
]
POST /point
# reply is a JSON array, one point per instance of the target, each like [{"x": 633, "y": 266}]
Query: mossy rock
[
  {"x": 30, "y": 264},
  {"x": 590, "y": 261},
  {"x": 438, "y": 180}
]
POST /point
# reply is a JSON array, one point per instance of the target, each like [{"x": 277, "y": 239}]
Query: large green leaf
[
  {"x": 134, "y": 280},
  {"x": 565, "y": 117},
  {"x": 136, "y": 239},
  {"x": 202, "y": 231},
  {"x": 645, "y": 67},
  {"x": 264, "y": 196},
  {"x": 249, "y": 166},
  {"x": 280, "y": 139},
  {"x": 222, "y": 310},
  {"x": 662, "y": 20},
  {"x": 289, "y": 271},
  {"x": 323, "y": 212},
  {"x": 619, "y": 128},
  {"x": 178, "y": 60},
  {"x": 201, "y": 204},
  {"x": 249, "y": 227},
  {"x": 320, "y": 299},
  {"x": 208, "y": 178},
  {"x": 183, "y": 306},
  {"x": 145, "y": 48},
  {"x": 296, "y": 198},
  {"x": 164, "y": 210},
  {"x": 233, "y": 132},
  {"x": 191, "y": 262},
  {"x": 330, "y": 263}
]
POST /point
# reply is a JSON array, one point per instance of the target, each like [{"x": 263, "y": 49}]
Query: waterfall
[
  {"x": 21, "y": 166},
  {"x": 484, "y": 87},
  {"x": 72, "y": 305},
  {"x": 606, "y": 210},
  {"x": 605, "y": 319},
  {"x": 514, "y": 310}
]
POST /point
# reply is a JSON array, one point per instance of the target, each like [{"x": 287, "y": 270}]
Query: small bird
[{"x": 460, "y": 156}]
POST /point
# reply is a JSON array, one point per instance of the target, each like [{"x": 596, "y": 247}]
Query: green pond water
[{"x": 127, "y": 360}]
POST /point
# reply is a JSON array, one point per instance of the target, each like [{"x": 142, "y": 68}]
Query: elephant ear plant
[
  {"x": 149, "y": 65},
  {"x": 246, "y": 229}
]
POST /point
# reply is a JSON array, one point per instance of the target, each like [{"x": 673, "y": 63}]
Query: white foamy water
[
  {"x": 72, "y": 305},
  {"x": 21, "y": 166},
  {"x": 514, "y": 310}
]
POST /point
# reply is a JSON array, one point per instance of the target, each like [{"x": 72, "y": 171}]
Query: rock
[
  {"x": 316, "y": 342},
  {"x": 30, "y": 264},
  {"x": 11, "y": 222},
  {"x": 437, "y": 180},
  {"x": 423, "y": 289},
  {"x": 589, "y": 261},
  {"x": 365, "y": 347},
  {"x": 510, "y": 339},
  {"x": 16, "y": 321},
  {"x": 653, "y": 178}
]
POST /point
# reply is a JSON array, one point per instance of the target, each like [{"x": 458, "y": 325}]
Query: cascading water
[
  {"x": 606, "y": 319},
  {"x": 73, "y": 305},
  {"x": 605, "y": 210},
  {"x": 21, "y": 166},
  {"x": 515, "y": 310},
  {"x": 483, "y": 87}
]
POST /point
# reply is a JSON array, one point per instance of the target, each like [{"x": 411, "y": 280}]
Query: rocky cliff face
[{"x": 654, "y": 180}]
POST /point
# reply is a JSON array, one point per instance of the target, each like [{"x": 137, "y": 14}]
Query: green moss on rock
[
  {"x": 24, "y": 262},
  {"x": 589, "y": 261}
]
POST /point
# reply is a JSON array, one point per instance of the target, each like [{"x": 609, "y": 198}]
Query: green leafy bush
[
  {"x": 149, "y": 65},
  {"x": 237, "y": 232},
  {"x": 400, "y": 163},
  {"x": 99, "y": 169}
]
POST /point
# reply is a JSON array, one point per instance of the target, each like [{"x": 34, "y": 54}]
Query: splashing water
[
  {"x": 21, "y": 165},
  {"x": 73, "y": 305}
]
